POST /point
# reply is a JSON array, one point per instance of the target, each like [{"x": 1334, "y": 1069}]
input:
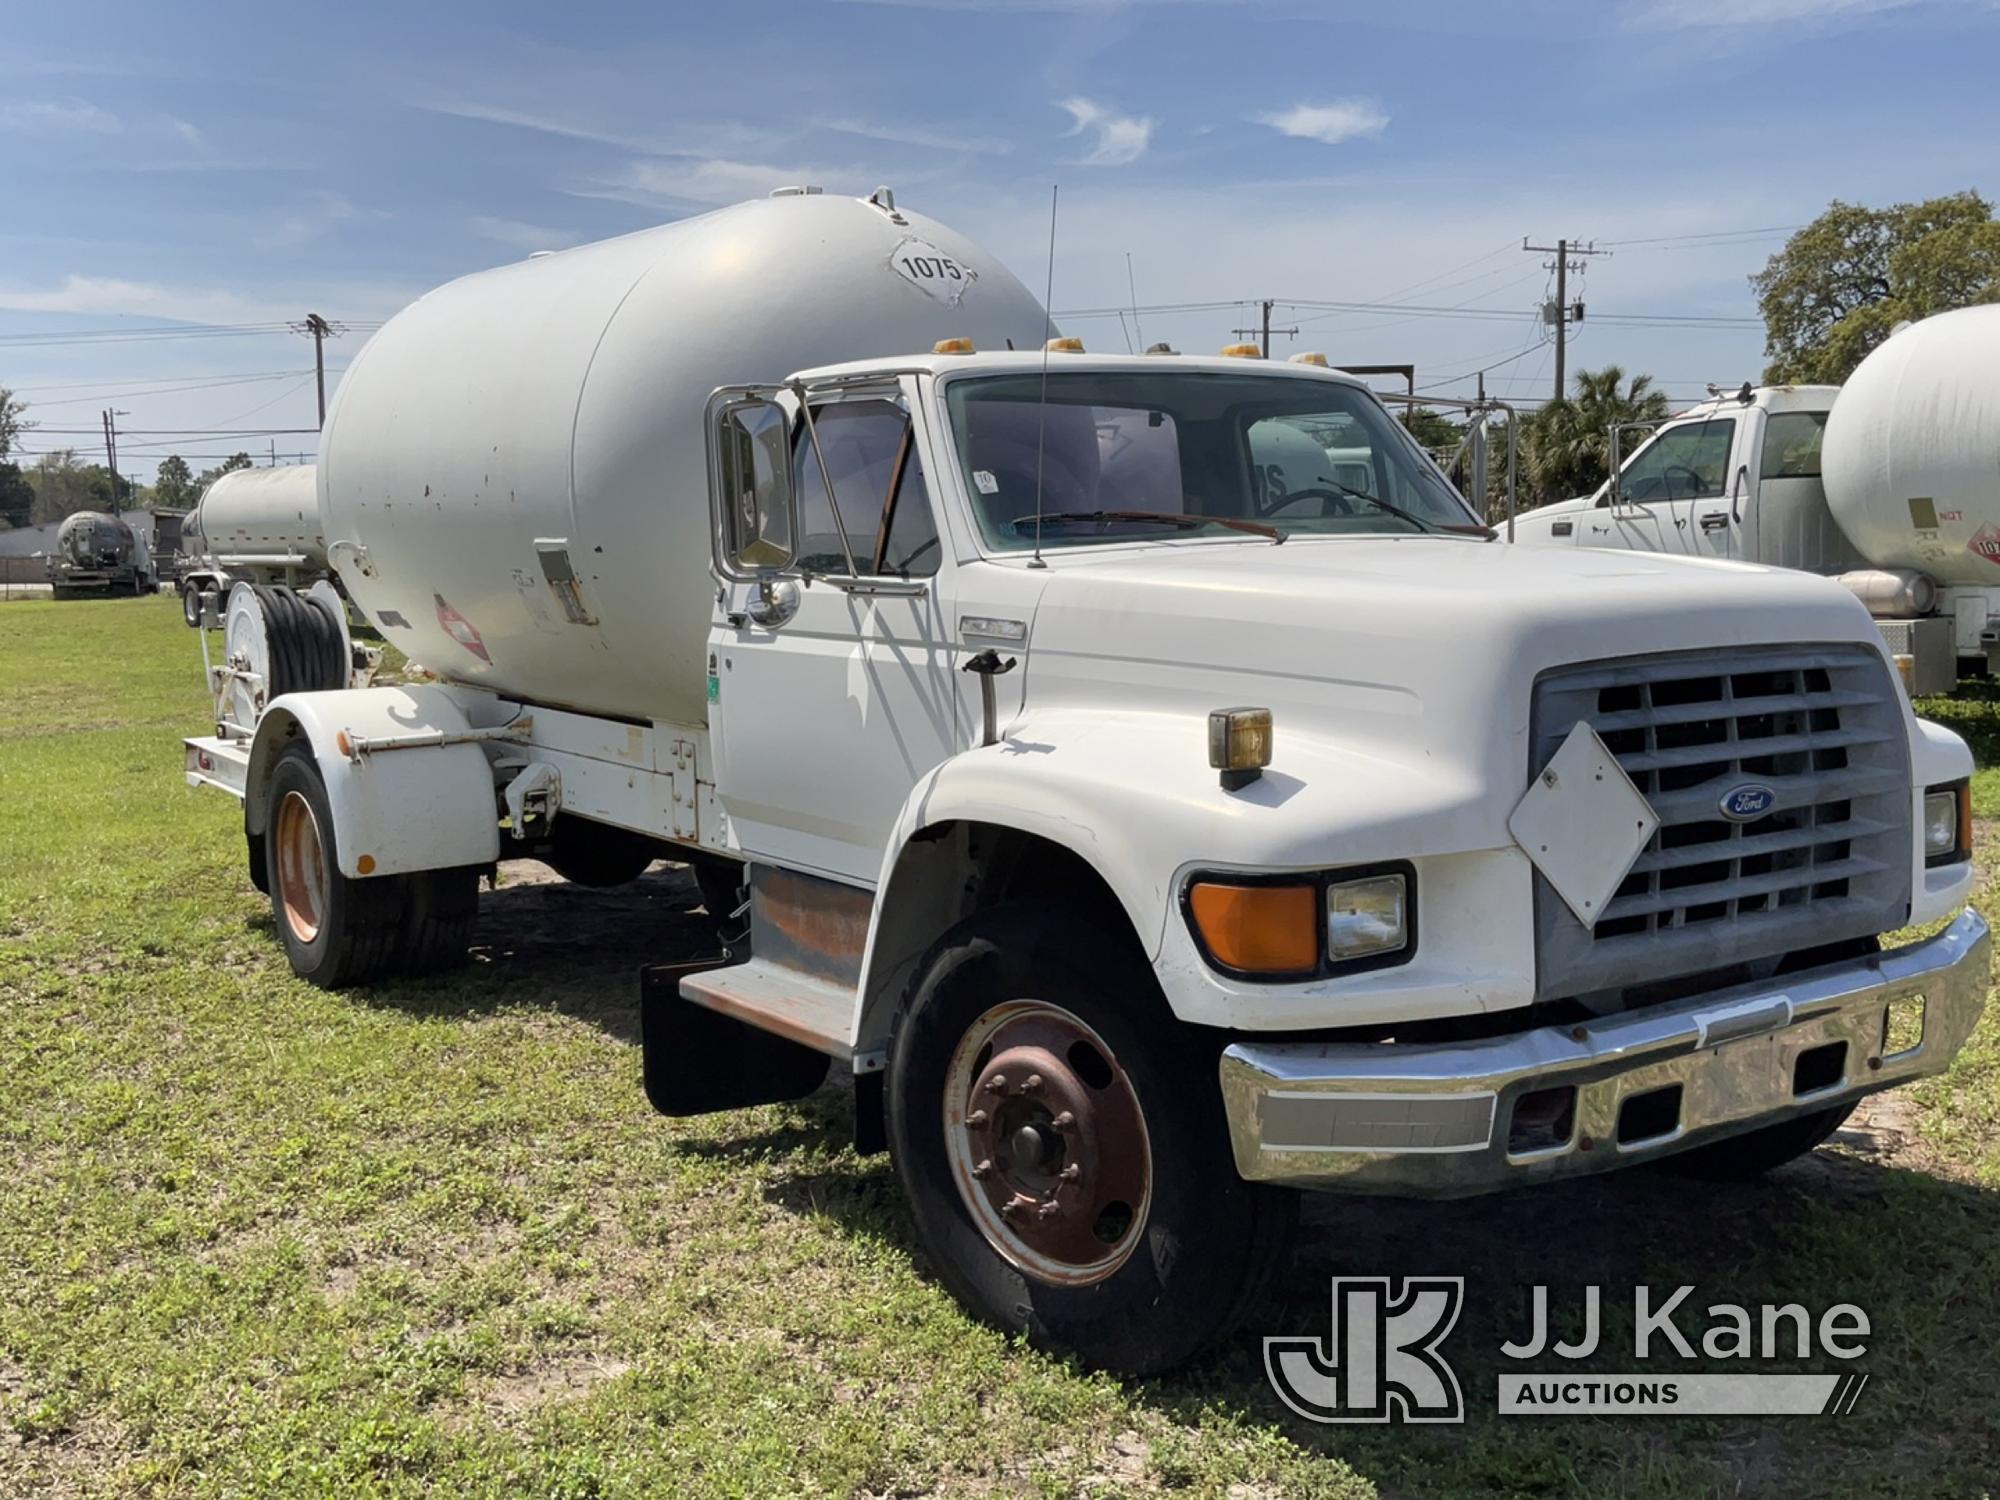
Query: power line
[{"x": 1713, "y": 235}]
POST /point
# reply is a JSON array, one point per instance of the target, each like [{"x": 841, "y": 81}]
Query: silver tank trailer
[
  {"x": 259, "y": 524},
  {"x": 546, "y": 419},
  {"x": 1912, "y": 450}
]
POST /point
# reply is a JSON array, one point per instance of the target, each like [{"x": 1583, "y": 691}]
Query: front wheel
[{"x": 1062, "y": 1141}]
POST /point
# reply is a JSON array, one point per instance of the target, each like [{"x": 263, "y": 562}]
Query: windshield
[{"x": 1124, "y": 457}]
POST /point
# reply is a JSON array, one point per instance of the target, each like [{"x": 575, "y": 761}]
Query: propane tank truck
[
  {"x": 98, "y": 554},
  {"x": 1889, "y": 483},
  {"x": 254, "y": 525},
  {"x": 1155, "y": 820}
]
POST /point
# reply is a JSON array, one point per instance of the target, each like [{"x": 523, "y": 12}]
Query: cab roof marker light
[
  {"x": 1067, "y": 345},
  {"x": 953, "y": 346},
  {"x": 1239, "y": 744},
  {"x": 1161, "y": 349},
  {"x": 1310, "y": 357},
  {"x": 1241, "y": 351}
]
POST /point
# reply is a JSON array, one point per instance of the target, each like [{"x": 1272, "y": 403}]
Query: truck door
[
  {"x": 1719, "y": 512},
  {"x": 832, "y": 691}
]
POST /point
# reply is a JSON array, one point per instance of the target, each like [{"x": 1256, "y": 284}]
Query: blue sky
[{"x": 196, "y": 165}]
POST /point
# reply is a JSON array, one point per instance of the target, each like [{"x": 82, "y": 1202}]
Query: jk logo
[{"x": 1381, "y": 1363}]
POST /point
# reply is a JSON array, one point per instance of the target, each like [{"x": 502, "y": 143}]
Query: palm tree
[{"x": 1566, "y": 445}]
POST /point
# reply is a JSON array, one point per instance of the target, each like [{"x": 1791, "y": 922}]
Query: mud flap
[{"x": 699, "y": 1061}]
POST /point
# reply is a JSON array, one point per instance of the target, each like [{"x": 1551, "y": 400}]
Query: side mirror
[{"x": 753, "y": 473}]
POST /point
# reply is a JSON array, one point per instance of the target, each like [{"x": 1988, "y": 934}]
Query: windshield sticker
[
  {"x": 927, "y": 268},
  {"x": 984, "y": 479}
]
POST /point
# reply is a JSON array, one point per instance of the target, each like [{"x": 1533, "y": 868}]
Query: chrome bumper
[{"x": 1445, "y": 1121}]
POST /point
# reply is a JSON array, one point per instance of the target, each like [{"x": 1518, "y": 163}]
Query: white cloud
[
  {"x": 115, "y": 296},
  {"x": 666, "y": 181},
  {"x": 57, "y": 117},
  {"x": 1341, "y": 120},
  {"x": 522, "y": 236},
  {"x": 917, "y": 135},
  {"x": 1119, "y": 138},
  {"x": 1677, "y": 15},
  {"x": 308, "y": 222}
]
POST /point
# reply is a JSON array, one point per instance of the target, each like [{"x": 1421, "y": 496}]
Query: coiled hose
[{"x": 307, "y": 654}]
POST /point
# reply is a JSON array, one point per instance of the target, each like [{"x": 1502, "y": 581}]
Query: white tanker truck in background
[
  {"x": 1155, "y": 819},
  {"x": 252, "y": 525},
  {"x": 1891, "y": 483}
]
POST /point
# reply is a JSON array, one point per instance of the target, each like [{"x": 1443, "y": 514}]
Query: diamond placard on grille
[{"x": 1583, "y": 823}]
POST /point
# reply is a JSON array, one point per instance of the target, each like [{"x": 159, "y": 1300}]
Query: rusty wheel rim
[
  {"x": 1048, "y": 1143},
  {"x": 301, "y": 867}
]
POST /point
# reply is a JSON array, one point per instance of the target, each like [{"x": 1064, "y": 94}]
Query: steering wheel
[
  {"x": 1331, "y": 502},
  {"x": 1694, "y": 481}
]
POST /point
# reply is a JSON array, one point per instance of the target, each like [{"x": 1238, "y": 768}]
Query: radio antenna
[
  {"x": 1042, "y": 402},
  {"x": 1132, "y": 289}
]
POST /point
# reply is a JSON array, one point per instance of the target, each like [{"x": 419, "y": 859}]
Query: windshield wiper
[
  {"x": 1395, "y": 510},
  {"x": 1165, "y": 517}
]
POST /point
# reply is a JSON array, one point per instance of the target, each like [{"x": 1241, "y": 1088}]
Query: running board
[{"x": 801, "y": 1008}]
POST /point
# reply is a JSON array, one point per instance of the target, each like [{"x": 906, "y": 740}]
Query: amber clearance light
[{"x": 1258, "y": 929}]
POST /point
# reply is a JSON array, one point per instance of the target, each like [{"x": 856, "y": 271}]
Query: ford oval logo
[{"x": 1746, "y": 804}]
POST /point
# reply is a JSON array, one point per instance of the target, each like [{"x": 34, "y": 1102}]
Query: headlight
[
  {"x": 1365, "y": 918},
  {"x": 1294, "y": 927},
  {"x": 1947, "y": 824}
]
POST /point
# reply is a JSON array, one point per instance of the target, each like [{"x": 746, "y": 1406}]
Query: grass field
[{"x": 429, "y": 1239}]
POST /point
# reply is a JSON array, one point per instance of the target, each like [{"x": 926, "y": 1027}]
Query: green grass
[{"x": 428, "y": 1238}]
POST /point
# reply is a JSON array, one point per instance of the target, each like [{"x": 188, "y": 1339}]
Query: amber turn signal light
[{"x": 1258, "y": 929}]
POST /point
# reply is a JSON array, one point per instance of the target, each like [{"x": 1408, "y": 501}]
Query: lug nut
[
  {"x": 982, "y": 1169},
  {"x": 974, "y": 1120},
  {"x": 1047, "y": 1211},
  {"x": 1011, "y": 1209},
  {"x": 1032, "y": 1082},
  {"x": 1064, "y": 1120},
  {"x": 1070, "y": 1173},
  {"x": 997, "y": 1084}
]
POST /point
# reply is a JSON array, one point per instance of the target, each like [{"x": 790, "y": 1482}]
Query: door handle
[{"x": 1715, "y": 520}]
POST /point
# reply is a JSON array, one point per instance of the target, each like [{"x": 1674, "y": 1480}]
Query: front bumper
[{"x": 1442, "y": 1121}]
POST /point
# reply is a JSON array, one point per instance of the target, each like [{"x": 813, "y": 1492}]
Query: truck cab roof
[
  {"x": 1767, "y": 397},
  {"x": 1016, "y": 362}
]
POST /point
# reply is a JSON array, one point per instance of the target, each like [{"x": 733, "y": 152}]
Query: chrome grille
[{"x": 1821, "y": 726}]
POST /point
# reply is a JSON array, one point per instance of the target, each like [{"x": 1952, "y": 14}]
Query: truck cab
[{"x": 1735, "y": 477}]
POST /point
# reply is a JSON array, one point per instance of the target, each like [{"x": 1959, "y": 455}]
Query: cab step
[{"x": 801, "y": 1008}]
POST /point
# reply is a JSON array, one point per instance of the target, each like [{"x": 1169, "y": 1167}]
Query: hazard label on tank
[
  {"x": 1986, "y": 543},
  {"x": 931, "y": 271}
]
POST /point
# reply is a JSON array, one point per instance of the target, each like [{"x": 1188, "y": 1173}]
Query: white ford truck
[{"x": 1154, "y": 822}]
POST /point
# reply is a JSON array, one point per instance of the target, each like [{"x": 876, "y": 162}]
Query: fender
[
  {"x": 430, "y": 808},
  {"x": 1007, "y": 785}
]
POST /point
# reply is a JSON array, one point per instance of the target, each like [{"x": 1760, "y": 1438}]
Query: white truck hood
[{"x": 1406, "y": 652}]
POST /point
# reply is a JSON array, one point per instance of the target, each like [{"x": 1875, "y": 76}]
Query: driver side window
[
  {"x": 1686, "y": 463},
  {"x": 878, "y": 478}
]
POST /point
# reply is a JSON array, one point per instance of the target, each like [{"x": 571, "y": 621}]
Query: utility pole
[
  {"x": 111, "y": 451},
  {"x": 320, "y": 330},
  {"x": 1266, "y": 331},
  {"x": 1569, "y": 256}
]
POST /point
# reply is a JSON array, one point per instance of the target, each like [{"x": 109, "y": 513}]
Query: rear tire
[
  {"x": 336, "y": 931},
  {"x": 1744, "y": 1157},
  {"x": 1154, "y": 1248},
  {"x": 442, "y": 910}
]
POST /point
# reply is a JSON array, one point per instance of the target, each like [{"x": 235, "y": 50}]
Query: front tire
[
  {"x": 1062, "y": 1142},
  {"x": 336, "y": 931}
]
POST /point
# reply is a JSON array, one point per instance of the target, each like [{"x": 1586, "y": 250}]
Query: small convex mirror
[{"x": 753, "y": 449}]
